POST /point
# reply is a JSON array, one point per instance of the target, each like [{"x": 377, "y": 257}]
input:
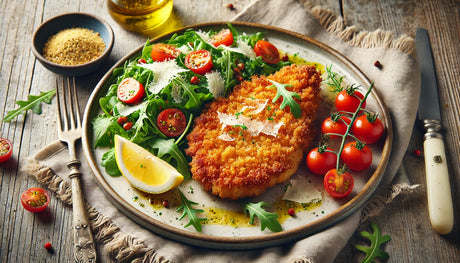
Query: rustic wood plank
[{"x": 408, "y": 224}]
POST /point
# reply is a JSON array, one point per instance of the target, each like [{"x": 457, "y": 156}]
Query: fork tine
[
  {"x": 65, "y": 116},
  {"x": 71, "y": 107},
  {"x": 58, "y": 106},
  {"x": 76, "y": 103}
]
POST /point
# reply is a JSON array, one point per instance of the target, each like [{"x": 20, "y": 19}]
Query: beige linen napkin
[{"x": 397, "y": 82}]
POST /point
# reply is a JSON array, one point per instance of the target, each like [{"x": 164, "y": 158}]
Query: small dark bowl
[{"x": 70, "y": 20}]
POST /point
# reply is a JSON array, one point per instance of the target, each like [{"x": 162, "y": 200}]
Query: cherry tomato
[
  {"x": 321, "y": 159},
  {"x": 357, "y": 156},
  {"x": 141, "y": 61},
  {"x": 338, "y": 183},
  {"x": 130, "y": 91},
  {"x": 368, "y": 128},
  {"x": 335, "y": 124},
  {"x": 35, "y": 199},
  {"x": 348, "y": 100},
  {"x": 162, "y": 52},
  {"x": 195, "y": 80},
  {"x": 267, "y": 51},
  {"x": 199, "y": 61},
  {"x": 224, "y": 37},
  {"x": 171, "y": 122},
  {"x": 6, "y": 149}
]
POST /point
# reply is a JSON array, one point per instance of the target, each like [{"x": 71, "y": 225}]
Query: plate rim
[{"x": 241, "y": 243}]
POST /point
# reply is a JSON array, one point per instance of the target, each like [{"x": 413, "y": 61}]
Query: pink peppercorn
[{"x": 291, "y": 211}]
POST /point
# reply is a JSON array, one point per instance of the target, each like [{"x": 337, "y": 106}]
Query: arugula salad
[{"x": 179, "y": 75}]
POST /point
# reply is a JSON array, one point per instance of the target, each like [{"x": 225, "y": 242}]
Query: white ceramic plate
[{"x": 164, "y": 221}]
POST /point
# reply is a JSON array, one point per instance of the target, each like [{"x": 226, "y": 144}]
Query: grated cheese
[
  {"x": 163, "y": 72},
  {"x": 216, "y": 84},
  {"x": 242, "y": 48},
  {"x": 126, "y": 110},
  {"x": 254, "y": 127}
]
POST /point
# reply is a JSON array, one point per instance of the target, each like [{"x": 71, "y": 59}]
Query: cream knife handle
[{"x": 438, "y": 187}]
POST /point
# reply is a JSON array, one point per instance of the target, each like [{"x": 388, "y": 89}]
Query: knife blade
[{"x": 439, "y": 195}]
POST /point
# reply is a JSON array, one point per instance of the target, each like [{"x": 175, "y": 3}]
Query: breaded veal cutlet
[{"x": 244, "y": 144}]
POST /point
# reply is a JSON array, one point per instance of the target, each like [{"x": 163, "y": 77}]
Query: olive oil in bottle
[{"x": 140, "y": 15}]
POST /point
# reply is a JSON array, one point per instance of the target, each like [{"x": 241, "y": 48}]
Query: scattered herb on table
[
  {"x": 32, "y": 103},
  {"x": 374, "y": 250}
]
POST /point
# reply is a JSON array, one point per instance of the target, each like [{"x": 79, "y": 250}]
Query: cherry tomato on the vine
[
  {"x": 348, "y": 100},
  {"x": 368, "y": 128},
  {"x": 338, "y": 183},
  {"x": 199, "y": 61},
  {"x": 357, "y": 156},
  {"x": 267, "y": 51},
  {"x": 224, "y": 37},
  {"x": 130, "y": 91},
  {"x": 321, "y": 159},
  {"x": 162, "y": 52},
  {"x": 171, "y": 122},
  {"x": 35, "y": 199},
  {"x": 6, "y": 149},
  {"x": 336, "y": 124}
]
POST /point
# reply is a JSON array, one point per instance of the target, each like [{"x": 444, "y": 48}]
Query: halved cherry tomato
[
  {"x": 336, "y": 124},
  {"x": 348, "y": 100},
  {"x": 162, "y": 52},
  {"x": 6, "y": 149},
  {"x": 357, "y": 156},
  {"x": 368, "y": 128},
  {"x": 130, "y": 91},
  {"x": 267, "y": 51},
  {"x": 338, "y": 183},
  {"x": 35, "y": 199},
  {"x": 224, "y": 37},
  {"x": 171, "y": 122},
  {"x": 321, "y": 159},
  {"x": 199, "y": 61}
]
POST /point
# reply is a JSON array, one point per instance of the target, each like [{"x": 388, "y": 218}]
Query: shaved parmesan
[
  {"x": 126, "y": 110},
  {"x": 254, "y": 127},
  {"x": 243, "y": 48},
  {"x": 216, "y": 84},
  {"x": 301, "y": 190},
  {"x": 164, "y": 72}
]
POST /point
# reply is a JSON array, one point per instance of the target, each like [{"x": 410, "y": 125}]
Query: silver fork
[{"x": 69, "y": 131}]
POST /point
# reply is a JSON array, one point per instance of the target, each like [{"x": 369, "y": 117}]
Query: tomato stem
[{"x": 353, "y": 118}]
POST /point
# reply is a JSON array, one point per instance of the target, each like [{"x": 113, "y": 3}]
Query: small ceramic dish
[{"x": 66, "y": 21}]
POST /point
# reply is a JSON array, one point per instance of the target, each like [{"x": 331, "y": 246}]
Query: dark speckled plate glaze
[{"x": 331, "y": 211}]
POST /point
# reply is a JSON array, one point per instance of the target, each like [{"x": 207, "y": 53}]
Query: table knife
[{"x": 437, "y": 176}]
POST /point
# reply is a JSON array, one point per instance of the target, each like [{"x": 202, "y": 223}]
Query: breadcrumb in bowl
[
  {"x": 244, "y": 144},
  {"x": 71, "y": 66}
]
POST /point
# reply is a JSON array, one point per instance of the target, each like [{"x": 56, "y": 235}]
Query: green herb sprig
[
  {"x": 190, "y": 212},
  {"x": 374, "y": 250},
  {"x": 288, "y": 98},
  {"x": 267, "y": 219},
  {"x": 32, "y": 103}
]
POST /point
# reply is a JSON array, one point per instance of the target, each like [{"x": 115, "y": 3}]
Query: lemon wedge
[{"x": 143, "y": 170}]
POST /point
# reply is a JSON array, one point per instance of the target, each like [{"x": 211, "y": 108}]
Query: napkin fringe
[
  {"x": 121, "y": 246},
  {"x": 363, "y": 39},
  {"x": 378, "y": 203}
]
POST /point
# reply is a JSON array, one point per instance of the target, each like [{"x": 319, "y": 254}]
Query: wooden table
[{"x": 23, "y": 235}]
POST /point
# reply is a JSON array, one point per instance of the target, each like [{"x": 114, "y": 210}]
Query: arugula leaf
[
  {"x": 267, "y": 219},
  {"x": 105, "y": 127},
  {"x": 190, "y": 212},
  {"x": 195, "y": 98},
  {"x": 288, "y": 98},
  {"x": 374, "y": 250},
  {"x": 33, "y": 103},
  {"x": 167, "y": 150}
]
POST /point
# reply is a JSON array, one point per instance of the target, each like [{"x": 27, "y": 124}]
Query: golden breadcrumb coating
[{"x": 244, "y": 144}]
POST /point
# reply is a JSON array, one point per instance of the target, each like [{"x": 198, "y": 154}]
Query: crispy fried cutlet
[{"x": 244, "y": 144}]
